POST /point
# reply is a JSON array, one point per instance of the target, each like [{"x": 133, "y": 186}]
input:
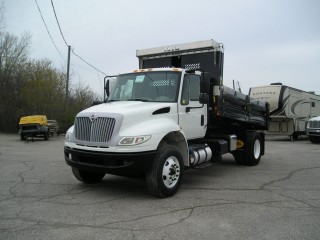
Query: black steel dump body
[{"x": 226, "y": 106}]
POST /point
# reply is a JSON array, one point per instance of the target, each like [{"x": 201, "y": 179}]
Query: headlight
[
  {"x": 127, "y": 141},
  {"x": 68, "y": 136}
]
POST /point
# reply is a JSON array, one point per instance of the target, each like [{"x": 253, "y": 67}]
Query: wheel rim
[
  {"x": 171, "y": 172},
  {"x": 256, "y": 149}
]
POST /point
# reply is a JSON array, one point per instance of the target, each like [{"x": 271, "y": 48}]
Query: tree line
[{"x": 35, "y": 87}]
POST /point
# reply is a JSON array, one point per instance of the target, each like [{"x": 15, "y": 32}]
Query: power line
[
  {"x": 87, "y": 62},
  {"x": 49, "y": 31},
  {"x": 67, "y": 43},
  {"x": 58, "y": 23},
  {"x": 100, "y": 81}
]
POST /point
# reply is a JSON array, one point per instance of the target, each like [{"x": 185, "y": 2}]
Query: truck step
[{"x": 207, "y": 164}]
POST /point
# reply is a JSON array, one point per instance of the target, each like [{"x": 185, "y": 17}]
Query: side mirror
[
  {"x": 107, "y": 88},
  {"x": 204, "y": 98}
]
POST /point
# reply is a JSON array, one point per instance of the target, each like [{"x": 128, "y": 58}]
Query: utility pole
[{"x": 67, "y": 83}]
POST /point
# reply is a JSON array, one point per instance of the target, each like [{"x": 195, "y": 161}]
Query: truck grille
[
  {"x": 99, "y": 130},
  {"x": 314, "y": 124}
]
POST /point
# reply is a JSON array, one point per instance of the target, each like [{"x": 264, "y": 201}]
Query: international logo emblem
[{"x": 93, "y": 118}]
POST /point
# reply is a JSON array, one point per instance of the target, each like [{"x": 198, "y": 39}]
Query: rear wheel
[
  {"x": 87, "y": 177},
  {"x": 165, "y": 174},
  {"x": 239, "y": 157},
  {"x": 253, "y": 149}
]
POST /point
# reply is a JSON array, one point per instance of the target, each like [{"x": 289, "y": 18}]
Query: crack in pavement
[
  {"x": 21, "y": 177},
  {"x": 290, "y": 175},
  {"x": 189, "y": 211},
  {"x": 34, "y": 222},
  {"x": 70, "y": 195}
]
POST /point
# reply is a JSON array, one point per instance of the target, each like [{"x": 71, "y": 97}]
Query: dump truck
[
  {"x": 34, "y": 126},
  {"x": 172, "y": 114}
]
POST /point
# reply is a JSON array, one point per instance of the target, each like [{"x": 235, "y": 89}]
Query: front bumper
[
  {"x": 124, "y": 164},
  {"x": 313, "y": 132}
]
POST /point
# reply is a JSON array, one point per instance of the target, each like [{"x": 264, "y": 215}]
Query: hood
[
  {"x": 130, "y": 110},
  {"x": 315, "y": 119}
]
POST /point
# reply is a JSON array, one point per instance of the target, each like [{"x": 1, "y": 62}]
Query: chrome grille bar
[
  {"x": 314, "y": 124},
  {"x": 99, "y": 130}
]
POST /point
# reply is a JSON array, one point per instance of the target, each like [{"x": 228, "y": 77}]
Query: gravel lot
[{"x": 278, "y": 199}]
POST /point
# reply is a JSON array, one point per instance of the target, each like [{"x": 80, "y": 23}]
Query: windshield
[{"x": 146, "y": 86}]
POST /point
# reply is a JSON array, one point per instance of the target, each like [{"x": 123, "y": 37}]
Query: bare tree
[
  {"x": 13, "y": 51},
  {"x": 13, "y": 55},
  {"x": 30, "y": 87},
  {"x": 2, "y": 16}
]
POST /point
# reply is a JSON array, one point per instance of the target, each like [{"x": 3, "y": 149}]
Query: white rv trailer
[{"x": 290, "y": 108}]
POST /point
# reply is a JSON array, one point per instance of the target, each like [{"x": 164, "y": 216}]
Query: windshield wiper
[{"x": 138, "y": 99}]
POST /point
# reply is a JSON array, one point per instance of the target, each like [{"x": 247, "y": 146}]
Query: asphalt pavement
[{"x": 278, "y": 199}]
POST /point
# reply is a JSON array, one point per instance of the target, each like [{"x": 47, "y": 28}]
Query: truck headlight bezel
[
  {"x": 133, "y": 140},
  {"x": 68, "y": 136}
]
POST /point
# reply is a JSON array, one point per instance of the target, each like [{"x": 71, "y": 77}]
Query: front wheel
[
  {"x": 314, "y": 139},
  {"x": 165, "y": 174},
  {"x": 87, "y": 177}
]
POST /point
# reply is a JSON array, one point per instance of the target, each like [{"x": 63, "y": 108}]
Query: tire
[
  {"x": 46, "y": 136},
  {"x": 22, "y": 137},
  {"x": 87, "y": 177},
  {"x": 253, "y": 149},
  {"x": 166, "y": 172},
  {"x": 314, "y": 139},
  {"x": 239, "y": 157},
  {"x": 294, "y": 137}
]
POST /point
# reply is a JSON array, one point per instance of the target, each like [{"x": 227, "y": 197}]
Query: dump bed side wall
[{"x": 231, "y": 105}]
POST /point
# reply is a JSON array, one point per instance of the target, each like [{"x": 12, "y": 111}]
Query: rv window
[{"x": 313, "y": 104}]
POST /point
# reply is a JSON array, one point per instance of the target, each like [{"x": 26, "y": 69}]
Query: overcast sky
[{"x": 265, "y": 40}]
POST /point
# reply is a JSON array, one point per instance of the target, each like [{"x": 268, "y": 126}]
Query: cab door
[{"x": 192, "y": 114}]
